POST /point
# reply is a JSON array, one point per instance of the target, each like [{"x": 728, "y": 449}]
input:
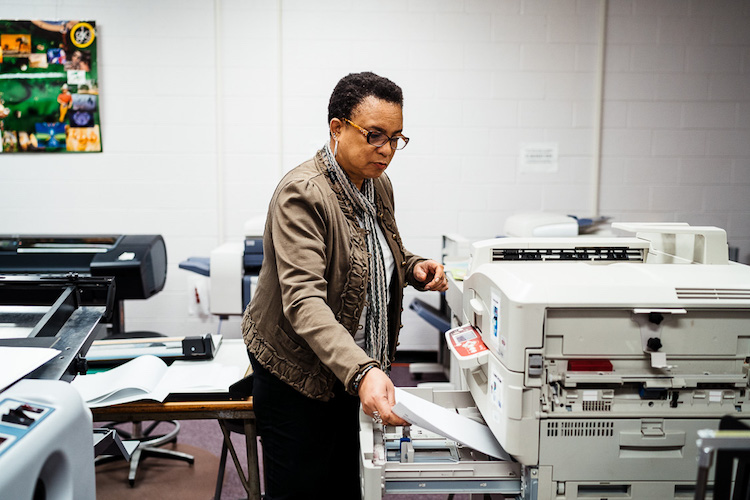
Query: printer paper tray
[
  {"x": 455, "y": 469},
  {"x": 464, "y": 476},
  {"x": 471, "y": 477}
]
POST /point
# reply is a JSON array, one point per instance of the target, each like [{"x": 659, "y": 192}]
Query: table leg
[
  {"x": 253, "y": 472},
  {"x": 251, "y": 482}
]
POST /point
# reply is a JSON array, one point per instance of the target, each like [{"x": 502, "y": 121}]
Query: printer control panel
[{"x": 17, "y": 419}]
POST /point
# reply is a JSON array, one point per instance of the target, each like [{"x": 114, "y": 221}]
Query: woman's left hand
[{"x": 431, "y": 273}]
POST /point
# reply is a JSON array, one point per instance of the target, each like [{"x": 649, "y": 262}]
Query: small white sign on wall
[{"x": 535, "y": 157}]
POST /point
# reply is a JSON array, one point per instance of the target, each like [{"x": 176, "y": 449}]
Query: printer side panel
[
  {"x": 508, "y": 404},
  {"x": 621, "y": 449},
  {"x": 508, "y": 327}
]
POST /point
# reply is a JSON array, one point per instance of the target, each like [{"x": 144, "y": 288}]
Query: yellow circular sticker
[{"x": 82, "y": 35}]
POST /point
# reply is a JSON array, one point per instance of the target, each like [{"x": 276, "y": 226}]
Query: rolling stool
[{"x": 148, "y": 445}]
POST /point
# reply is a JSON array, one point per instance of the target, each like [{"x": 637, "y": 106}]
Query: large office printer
[{"x": 593, "y": 361}]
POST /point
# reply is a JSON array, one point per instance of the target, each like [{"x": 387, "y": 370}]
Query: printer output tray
[{"x": 439, "y": 465}]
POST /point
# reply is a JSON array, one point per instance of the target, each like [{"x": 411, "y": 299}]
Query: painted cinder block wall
[{"x": 205, "y": 104}]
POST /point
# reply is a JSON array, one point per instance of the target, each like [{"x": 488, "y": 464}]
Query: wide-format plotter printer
[
  {"x": 226, "y": 280},
  {"x": 137, "y": 262},
  {"x": 55, "y": 291},
  {"x": 594, "y": 362}
]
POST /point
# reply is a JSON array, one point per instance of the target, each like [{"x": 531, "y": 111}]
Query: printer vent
[
  {"x": 713, "y": 293},
  {"x": 597, "y": 406},
  {"x": 582, "y": 253},
  {"x": 580, "y": 428}
]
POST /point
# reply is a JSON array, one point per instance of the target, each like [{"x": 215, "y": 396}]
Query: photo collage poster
[{"x": 49, "y": 94}]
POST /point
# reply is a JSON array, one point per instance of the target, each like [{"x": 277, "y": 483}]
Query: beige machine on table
[{"x": 601, "y": 358}]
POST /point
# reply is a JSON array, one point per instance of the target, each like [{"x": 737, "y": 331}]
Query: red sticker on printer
[{"x": 466, "y": 341}]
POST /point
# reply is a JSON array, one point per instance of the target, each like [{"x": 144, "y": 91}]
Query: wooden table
[{"x": 197, "y": 410}]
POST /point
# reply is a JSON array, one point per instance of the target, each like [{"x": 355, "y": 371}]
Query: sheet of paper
[
  {"x": 200, "y": 376},
  {"x": 448, "y": 423},
  {"x": 14, "y": 332},
  {"x": 18, "y": 362}
]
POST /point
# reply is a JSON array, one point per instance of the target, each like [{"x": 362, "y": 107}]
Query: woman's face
[{"x": 359, "y": 159}]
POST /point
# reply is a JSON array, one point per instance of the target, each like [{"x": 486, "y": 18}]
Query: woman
[{"x": 323, "y": 324}]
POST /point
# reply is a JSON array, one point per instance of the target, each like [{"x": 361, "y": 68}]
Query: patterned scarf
[{"x": 376, "y": 320}]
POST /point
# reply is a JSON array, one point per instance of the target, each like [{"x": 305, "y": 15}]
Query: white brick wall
[
  {"x": 678, "y": 71},
  {"x": 480, "y": 77}
]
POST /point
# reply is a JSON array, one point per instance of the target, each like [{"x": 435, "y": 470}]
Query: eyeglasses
[{"x": 378, "y": 139}]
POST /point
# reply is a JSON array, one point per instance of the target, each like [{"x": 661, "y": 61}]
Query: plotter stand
[{"x": 46, "y": 444}]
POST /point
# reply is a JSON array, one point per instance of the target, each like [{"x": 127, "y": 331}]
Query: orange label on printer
[{"x": 466, "y": 341}]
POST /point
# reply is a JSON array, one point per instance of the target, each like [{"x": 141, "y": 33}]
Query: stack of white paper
[{"x": 140, "y": 378}]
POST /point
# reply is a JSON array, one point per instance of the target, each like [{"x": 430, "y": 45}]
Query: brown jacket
[{"x": 312, "y": 287}]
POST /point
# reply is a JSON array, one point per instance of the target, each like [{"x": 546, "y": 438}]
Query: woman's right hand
[{"x": 377, "y": 394}]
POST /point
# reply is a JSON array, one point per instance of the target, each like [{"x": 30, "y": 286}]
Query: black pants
[{"x": 310, "y": 447}]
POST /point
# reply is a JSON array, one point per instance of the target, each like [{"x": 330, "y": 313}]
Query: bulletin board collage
[{"x": 49, "y": 96}]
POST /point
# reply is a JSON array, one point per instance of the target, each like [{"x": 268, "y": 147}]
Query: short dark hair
[{"x": 355, "y": 87}]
